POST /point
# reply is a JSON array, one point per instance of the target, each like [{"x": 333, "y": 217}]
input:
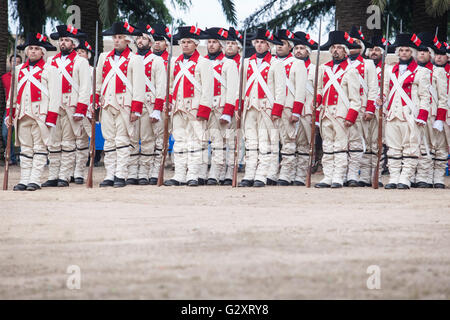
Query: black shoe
[
  {"x": 106, "y": 183},
  {"x": 171, "y": 182},
  {"x": 439, "y": 186},
  {"x": 322, "y": 185},
  {"x": 402, "y": 186},
  {"x": 221, "y": 182},
  {"x": 33, "y": 187},
  {"x": 79, "y": 180},
  {"x": 211, "y": 182},
  {"x": 72, "y": 179},
  {"x": 422, "y": 185},
  {"x": 298, "y": 183},
  {"x": 20, "y": 187},
  {"x": 351, "y": 184},
  {"x": 271, "y": 182},
  {"x": 192, "y": 183},
  {"x": 346, "y": 184},
  {"x": 283, "y": 183},
  {"x": 62, "y": 183},
  {"x": 245, "y": 183},
  {"x": 380, "y": 184},
  {"x": 413, "y": 185},
  {"x": 390, "y": 186},
  {"x": 363, "y": 184},
  {"x": 143, "y": 182},
  {"x": 131, "y": 181},
  {"x": 50, "y": 183},
  {"x": 119, "y": 183},
  {"x": 200, "y": 182},
  {"x": 227, "y": 182},
  {"x": 259, "y": 184},
  {"x": 153, "y": 181},
  {"x": 336, "y": 185}
]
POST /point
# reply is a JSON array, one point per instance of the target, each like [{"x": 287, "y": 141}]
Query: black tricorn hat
[
  {"x": 264, "y": 34},
  {"x": 406, "y": 40},
  {"x": 431, "y": 41},
  {"x": 67, "y": 31},
  {"x": 192, "y": 32},
  {"x": 305, "y": 39},
  {"x": 122, "y": 28},
  {"x": 339, "y": 37},
  {"x": 234, "y": 35},
  {"x": 357, "y": 34},
  {"x": 36, "y": 39},
  {"x": 217, "y": 33},
  {"x": 85, "y": 46},
  {"x": 378, "y": 41}
]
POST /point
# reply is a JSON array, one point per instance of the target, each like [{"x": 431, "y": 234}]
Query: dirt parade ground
[{"x": 145, "y": 242}]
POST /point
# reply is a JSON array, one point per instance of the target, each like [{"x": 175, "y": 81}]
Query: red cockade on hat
[
  {"x": 129, "y": 28},
  {"x": 348, "y": 38},
  {"x": 308, "y": 37},
  {"x": 269, "y": 35},
  {"x": 361, "y": 34},
  {"x": 72, "y": 29},
  {"x": 437, "y": 43},
  {"x": 168, "y": 32},
  {"x": 415, "y": 39},
  {"x": 87, "y": 45},
  {"x": 150, "y": 29},
  {"x": 289, "y": 34},
  {"x": 41, "y": 37},
  {"x": 195, "y": 30},
  {"x": 223, "y": 33}
]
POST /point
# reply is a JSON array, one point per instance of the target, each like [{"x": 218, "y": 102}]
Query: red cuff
[
  {"x": 319, "y": 99},
  {"x": 277, "y": 109},
  {"x": 203, "y": 111},
  {"x": 51, "y": 117},
  {"x": 228, "y": 109},
  {"x": 351, "y": 115},
  {"x": 159, "y": 104},
  {"x": 81, "y": 108},
  {"x": 136, "y": 106},
  {"x": 423, "y": 115},
  {"x": 441, "y": 114},
  {"x": 297, "y": 108},
  {"x": 370, "y": 106},
  {"x": 317, "y": 115}
]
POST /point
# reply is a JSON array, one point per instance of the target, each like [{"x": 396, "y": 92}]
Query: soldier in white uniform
[
  {"x": 296, "y": 78},
  {"x": 192, "y": 84},
  {"x": 34, "y": 110},
  {"x": 433, "y": 146},
  {"x": 265, "y": 95},
  {"x": 408, "y": 105},
  {"x": 75, "y": 88},
  {"x": 145, "y": 160},
  {"x": 302, "y": 114},
  {"x": 338, "y": 93},
  {"x": 121, "y": 93}
]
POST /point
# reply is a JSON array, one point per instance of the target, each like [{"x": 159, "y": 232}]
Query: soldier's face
[
  {"x": 261, "y": 46},
  {"x": 440, "y": 59},
  {"x": 337, "y": 52},
  {"x": 213, "y": 46},
  {"x": 188, "y": 46},
  {"x": 404, "y": 53},
  {"x": 375, "y": 53},
  {"x": 34, "y": 53},
  {"x": 300, "y": 51},
  {"x": 120, "y": 42},
  {"x": 232, "y": 48},
  {"x": 423, "y": 56},
  {"x": 284, "y": 49},
  {"x": 160, "y": 45},
  {"x": 66, "y": 45},
  {"x": 143, "y": 42},
  {"x": 83, "y": 53}
]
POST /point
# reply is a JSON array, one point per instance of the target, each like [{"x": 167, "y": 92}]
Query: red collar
[
  {"x": 447, "y": 67},
  {"x": 360, "y": 59},
  {"x": 343, "y": 65},
  {"x": 71, "y": 55},
  {"x": 165, "y": 55},
  {"x": 307, "y": 62},
  {"x": 219, "y": 57},
  {"x": 39, "y": 64},
  {"x": 194, "y": 57},
  {"x": 379, "y": 63},
  {"x": 237, "y": 58},
  {"x": 429, "y": 65},
  {"x": 411, "y": 66},
  {"x": 124, "y": 53},
  {"x": 267, "y": 57}
]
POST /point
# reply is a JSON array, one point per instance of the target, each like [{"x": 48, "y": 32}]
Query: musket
[
  {"x": 93, "y": 116},
  {"x": 380, "y": 112},
  {"x": 166, "y": 118},
  {"x": 312, "y": 144},
  {"x": 239, "y": 114},
  {"x": 11, "y": 115}
]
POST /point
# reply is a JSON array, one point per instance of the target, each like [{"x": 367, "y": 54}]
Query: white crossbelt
[
  {"x": 362, "y": 82},
  {"x": 148, "y": 82},
  {"x": 184, "y": 71},
  {"x": 62, "y": 69},
  {"x": 333, "y": 81},
  {"x": 115, "y": 70},
  {"x": 29, "y": 76},
  {"x": 257, "y": 76},
  {"x": 217, "y": 75},
  {"x": 433, "y": 92},
  {"x": 309, "y": 86},
  {"x": 289, "y": 83}
]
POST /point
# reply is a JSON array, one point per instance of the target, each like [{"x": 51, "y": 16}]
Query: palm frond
[{"x": 229, "y": 10}]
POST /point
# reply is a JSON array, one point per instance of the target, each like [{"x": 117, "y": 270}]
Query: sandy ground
[{"x": 218, "y": 242}]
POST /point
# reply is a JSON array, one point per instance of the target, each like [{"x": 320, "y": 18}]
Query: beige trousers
[{"x": 303, "y": 143}]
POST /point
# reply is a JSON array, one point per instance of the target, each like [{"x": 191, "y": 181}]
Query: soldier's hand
[
  {"x": 133, "y": 117},
  {"x": 77, "y": 118},
  {"x": 368, "y": 116},
  {"x": 420, "y": 124},
  {"x": 7, "y": 122},
  {"x": 380, "y": 102},
  {"x": 274, "y": 117},
  {"x": 294, "y": 119},
  {"x": 201, "y": 119},
  {"x": 348, "y": 124}
]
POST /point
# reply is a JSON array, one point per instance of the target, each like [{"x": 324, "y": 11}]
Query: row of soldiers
[{"x": 54, "y": 98}]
